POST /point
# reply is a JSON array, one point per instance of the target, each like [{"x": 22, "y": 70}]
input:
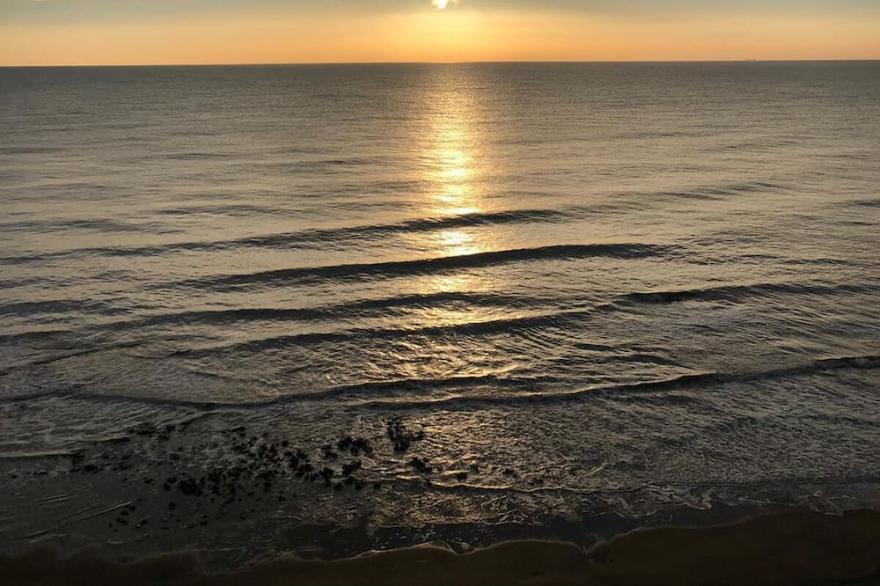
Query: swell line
[
  {"x": 315, "y": 237},
  {"x": 405, "y": 303},
  {"x": 327, "y": 312},
  {"x": 322, "y": 236},
  {"x": 738, "y": 292},
  {"x": 553, "y": 318},
  {"x": 709, "y": 378},
  {"x": 689, "y": 380},
  {"x": 362, "y": 271},
  {"x": 478, "y": 328}
]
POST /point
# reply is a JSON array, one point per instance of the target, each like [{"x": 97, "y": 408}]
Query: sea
[{"x": 339, "y": 308}]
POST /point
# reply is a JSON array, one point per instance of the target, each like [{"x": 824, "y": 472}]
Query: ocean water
[{"x": 243, "y": 306}]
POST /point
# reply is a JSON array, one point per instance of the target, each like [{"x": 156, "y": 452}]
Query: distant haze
[{"x": 83, "y": 32}]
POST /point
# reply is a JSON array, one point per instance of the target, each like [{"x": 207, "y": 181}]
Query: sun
[{"x": 440, "y": 4}]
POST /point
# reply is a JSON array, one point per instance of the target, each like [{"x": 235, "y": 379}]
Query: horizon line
[{"x": 475, "y": 62}]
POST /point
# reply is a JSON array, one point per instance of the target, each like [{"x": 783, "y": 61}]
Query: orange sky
[{"x": 467, "y": 32}]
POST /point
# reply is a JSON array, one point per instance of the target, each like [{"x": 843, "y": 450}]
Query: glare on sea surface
[
  {"x": 452, "y": 162},
  {"x": 458, "y": 242}
]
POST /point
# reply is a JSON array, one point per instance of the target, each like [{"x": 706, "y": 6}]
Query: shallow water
[{"x": 574, "y": 289}]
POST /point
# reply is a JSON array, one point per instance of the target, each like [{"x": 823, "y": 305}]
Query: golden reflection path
[{"x": 452, "y": 164}]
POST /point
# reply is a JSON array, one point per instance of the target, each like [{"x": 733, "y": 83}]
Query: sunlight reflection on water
[{"x": 452, "y": 163}]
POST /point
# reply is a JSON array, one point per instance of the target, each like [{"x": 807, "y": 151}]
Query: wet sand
[{"x": 780, "y": 549}]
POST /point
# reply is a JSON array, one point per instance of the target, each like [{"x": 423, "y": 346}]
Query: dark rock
[
  {"x": 401, "y": 438},
  {"x": 189, "y": 487},
  {"x": 421, "y": 465},
  {"x": 327, "y": 474},
  {"x": 351, "y": 467}
]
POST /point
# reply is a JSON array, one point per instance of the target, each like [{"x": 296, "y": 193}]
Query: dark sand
[{"x": 789, "y": 548}]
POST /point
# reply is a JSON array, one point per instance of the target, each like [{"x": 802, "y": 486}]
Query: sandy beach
[{"x": 785, "y": 549}]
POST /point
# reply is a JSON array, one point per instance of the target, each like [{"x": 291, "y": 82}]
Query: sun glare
[{"x": 440, "y": 4}]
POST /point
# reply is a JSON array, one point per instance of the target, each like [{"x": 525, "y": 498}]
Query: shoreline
[{"x": 780, "y": 548}]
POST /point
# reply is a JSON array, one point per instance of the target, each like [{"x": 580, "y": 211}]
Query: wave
[
  {"x": 36, "y": 455},
  {"x": 867, "y": 203},
  {"x": 42, "y": 308},
  {"x": 194, "y": 156},
  {"x": 710, "y": 378},
  {"x": 406, "y": 303},
  {"x": 739, "y": 292},
  {"x": 318, "y": 237},
  {"x": 317, "y": 165},
  {"x": 303, "y": 238},
  {"x": 32, "y": 335},
  {"x": 405, "y": 227},
  {"x": 413, "y": 385},
  {"x": 232, "y": 209},
  {"x": 430, "y": 265},
  {"x": 359, "y": 335},
  {"x": 722, "y": 191},
  {"x": 763, "y": 145},
  {"x": 66, "y": 355},
  {"x": 103, "y": 225},
  {"x": 331, "y": 312},
  {"x": 32, "y": 150},
  {"x": 623, "y": 391},
  {"x": 389, "y": 387},
  {"x": 554, "y": 318},
  {"x": 534, "y": 319}
]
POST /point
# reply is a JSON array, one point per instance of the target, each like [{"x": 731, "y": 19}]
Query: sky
[{"x": 117, "y": 32}]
